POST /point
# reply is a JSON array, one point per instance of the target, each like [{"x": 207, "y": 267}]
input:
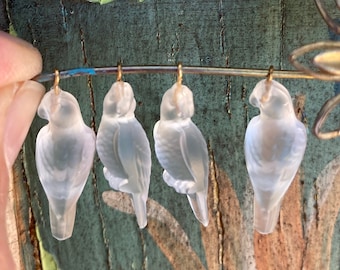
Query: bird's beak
[{"x": 254, "y": 101}]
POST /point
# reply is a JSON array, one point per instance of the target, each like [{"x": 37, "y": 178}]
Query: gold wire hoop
[
  {"x": 119, "y": 72},
  {"x": 321, "y": 118},
  {"x": 56, "y": 82},
  {"x": 179, "y": 73},
  {"x": 179, "y": 84},
  {"x": 270, "y": 74},
  {"x": 268, "y": 84}
]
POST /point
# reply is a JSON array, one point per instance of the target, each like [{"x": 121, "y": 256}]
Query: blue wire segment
[{"x": 80, "y": 71}]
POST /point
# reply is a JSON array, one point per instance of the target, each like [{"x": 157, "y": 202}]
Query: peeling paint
[
  {"x": 31, "y": 220},
  {"x": 245, "y": 106},
  {"x": 216, "y": 205},
  {"x": 64, "y": 14},
  {"x": 222, "y": 26}
]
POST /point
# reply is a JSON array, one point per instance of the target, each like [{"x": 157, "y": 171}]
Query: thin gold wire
[
  {"x": 321, "y": 118},
  {"x": 218, "y": 71},
  {"x": 56, "y": 82}
]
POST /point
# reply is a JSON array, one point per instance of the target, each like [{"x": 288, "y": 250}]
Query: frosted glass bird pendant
[
  {"x": 124, "y": 149},
  {"x": 65, "y": 149},
  {"x": 181, "y": 149},
  {"x": 275, "y": 143}
]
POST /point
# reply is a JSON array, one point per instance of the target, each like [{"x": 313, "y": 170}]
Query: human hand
[{"x": 19, "y": 99}]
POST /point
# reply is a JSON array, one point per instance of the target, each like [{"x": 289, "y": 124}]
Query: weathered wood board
[{"x": 232, "y": 33}]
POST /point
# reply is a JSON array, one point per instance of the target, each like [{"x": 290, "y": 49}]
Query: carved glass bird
[
  {"x": 124, "y": 149},
  {"x": 181, "y": 149},
  {"x": 65, "y": 148},
  {"x": 275, "y": 143}
]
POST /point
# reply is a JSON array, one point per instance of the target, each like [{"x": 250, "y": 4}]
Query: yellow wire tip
[{"x": 56, "y": 82}]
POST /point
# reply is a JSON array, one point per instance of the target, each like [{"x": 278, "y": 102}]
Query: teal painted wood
[{"x": 244, "y": 34}]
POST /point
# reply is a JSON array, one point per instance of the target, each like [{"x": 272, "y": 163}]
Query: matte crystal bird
[
  {"x": 182, "y": 150},
  {"x": 124, "y": 149},
  {"x": 65, "y": 149},
  {"x": 275, "y": 143}
]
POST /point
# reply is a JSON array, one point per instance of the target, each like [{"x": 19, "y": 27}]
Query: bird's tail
[
  {"x": 62, "y": 224},
  {"x": 139, "y": 204},
  {"x": 198, "y": 203},
  {"x": 265, "y": 219}
]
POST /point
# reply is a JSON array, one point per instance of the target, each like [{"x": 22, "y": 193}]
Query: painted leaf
[{"x": 164, "y": 229}]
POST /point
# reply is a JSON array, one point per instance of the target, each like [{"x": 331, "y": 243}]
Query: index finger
[{"x": 19, "y": 60}]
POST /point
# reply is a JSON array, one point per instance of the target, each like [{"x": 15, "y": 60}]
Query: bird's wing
[
  {"x": 42, "y": 162},
  {"x": 182, "y": 152},
  {"x": 88, "y": 151},
  {"x": 168, "y": 150},
  {"x": 195, "y": 154},
  {"x": 107, "y": 147},
  {"x": 135, "y": 156},
  {"x": 64, "y": 165},
  {"x": 252, "y": 147},
  {"x": 65, "y": 159},
  {"x": 272, "y": 162},
  {"x": 296, "y": 151}
]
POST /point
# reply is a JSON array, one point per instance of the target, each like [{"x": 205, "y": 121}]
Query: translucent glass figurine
[
  {"x": 275, "y": 143},
  {"x": 124, "y": 149},
  {"x": 182, "y": 150},
  {"x": 65, "y": 149}
]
